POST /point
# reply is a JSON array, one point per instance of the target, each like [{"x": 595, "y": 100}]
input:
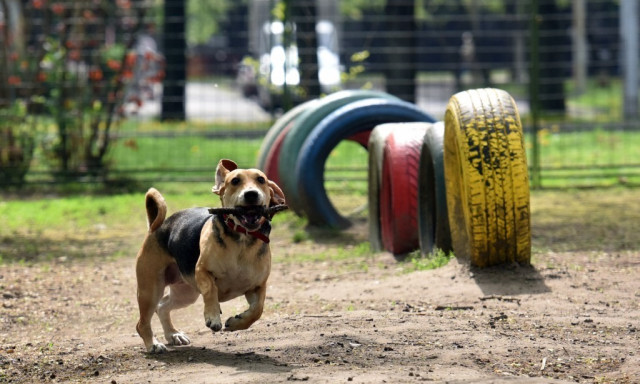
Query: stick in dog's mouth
[
  {"x": 250, "y": 216},
  {"x": 250, "y": 213}
]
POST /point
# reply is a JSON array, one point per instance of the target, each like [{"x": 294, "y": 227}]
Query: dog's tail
[{"x": 156, "y": 209}]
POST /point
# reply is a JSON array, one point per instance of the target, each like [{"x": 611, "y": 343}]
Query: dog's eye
[
  {"x": 235, "y": 181},
  {"x": 261, "y": 180}
]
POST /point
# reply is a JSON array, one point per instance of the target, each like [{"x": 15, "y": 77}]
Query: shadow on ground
[{"x": 244, "y": 362}]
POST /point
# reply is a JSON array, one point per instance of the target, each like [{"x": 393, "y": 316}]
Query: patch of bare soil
[{"x": 571, "y": 317}]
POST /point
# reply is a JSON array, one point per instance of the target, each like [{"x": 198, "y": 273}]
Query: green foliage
[
  {"x": 356, "y": 68},
  {"x": 279, "y": 11},
  {"x": 17, "y": 143},
  {"x": 416, "y": 262},
  {"x": 354, "y": 8},
  {"x": 205, "y": 17},
  {"x": 77, "y": 81}
]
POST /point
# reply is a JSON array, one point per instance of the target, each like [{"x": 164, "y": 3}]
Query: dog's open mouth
[{"x": 250, "y": 216}]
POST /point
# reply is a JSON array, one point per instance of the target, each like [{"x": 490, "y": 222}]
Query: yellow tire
[{"x": 486, "y": 178}]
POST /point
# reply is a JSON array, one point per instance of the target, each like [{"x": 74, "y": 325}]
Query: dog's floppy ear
[
  {"x": 277, "y": 196},
  {"x": 224, "y": 166}
]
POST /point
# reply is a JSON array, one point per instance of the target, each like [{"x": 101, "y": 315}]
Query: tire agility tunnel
[
  {"x": 459, "y": 185},
  {"x": 351, "y": 119},
  {"x": 302, "y": 126}
]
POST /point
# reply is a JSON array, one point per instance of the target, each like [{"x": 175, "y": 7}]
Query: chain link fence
[{"x": 132, "y": 90}]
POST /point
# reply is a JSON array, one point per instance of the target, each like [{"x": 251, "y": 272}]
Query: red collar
[{"x": 239, "y": 228}]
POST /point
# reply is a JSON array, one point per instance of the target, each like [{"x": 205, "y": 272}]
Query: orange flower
[
  {"x": 130, "y": 60},
  {"x": 113, "y": 64},
  {"x": 57, "y": 8},
  {"x": 74, "y": 55},
  {"x": 158, "y": 77},
  {"x": 13, "y": 56},
  {"x": 13, "y": 80},
  {"x": 41, "y": 77},
  {"x": 136, "y": 100},
  {"x": 124, "y": 4},
  {"x": 37, "y": 4},
  {"x": 95, "y": 74}
]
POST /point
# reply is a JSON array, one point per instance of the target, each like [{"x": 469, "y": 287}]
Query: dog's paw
[
  {"x": 235, "y": 323},
  {"x": 214, "y": 324},
  {"x": 178, "y": 338},
  {"x": 157, "y": 348}
]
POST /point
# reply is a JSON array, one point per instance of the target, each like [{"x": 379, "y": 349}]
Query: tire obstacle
[
  {"x": 301, "y": 127},
  {"x": 433, "y": 220},
  {"x": 486, "y": 178},
  {"x": 399, "y": 188},
  {"x": 353, "y": 118},
  {"x": 460, "y": 185}
]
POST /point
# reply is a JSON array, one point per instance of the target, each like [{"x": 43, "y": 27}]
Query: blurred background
[{"x": 135, "y": 91}]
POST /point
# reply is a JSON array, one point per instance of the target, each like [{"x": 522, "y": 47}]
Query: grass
[
  {"x": 601, "y": 156},
  {"x": 416, "y": 262},
  {"x": 596, "y": 157},
  {"x": 601, "y": 101},
  {"x": 332, "y": 253},
  {"x": 194, "y": 154},
  {"x": 80, "y": 226},
  {"x": 111, "y": 226}
]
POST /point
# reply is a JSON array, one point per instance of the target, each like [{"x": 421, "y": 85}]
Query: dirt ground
[{"x": 573, "y": 316}]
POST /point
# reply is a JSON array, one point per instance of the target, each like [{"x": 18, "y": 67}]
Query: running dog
[{"x": 218, "y": 256}]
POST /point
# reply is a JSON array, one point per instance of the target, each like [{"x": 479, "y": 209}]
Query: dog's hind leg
[
  {"x": 256, "y": 305},
  {"x": 150, "y": 267},
  {"x": 180, "y": 295},
  {"x": 148, "y": 297}
]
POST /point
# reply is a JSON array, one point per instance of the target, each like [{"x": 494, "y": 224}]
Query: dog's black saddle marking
[{"x": 180, "y": 236}]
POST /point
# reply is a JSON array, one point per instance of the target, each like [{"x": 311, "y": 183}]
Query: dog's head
[{"x": 245, "y": 188}]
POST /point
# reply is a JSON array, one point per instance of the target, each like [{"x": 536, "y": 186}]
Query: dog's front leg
[
  {"x": 256, "y": 305},
  {"x": 207, "y": 286}
]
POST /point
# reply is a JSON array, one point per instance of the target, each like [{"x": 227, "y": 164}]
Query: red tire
[
  {"x": 399, "y": 190},
  {"x": 272, "y": 157}
]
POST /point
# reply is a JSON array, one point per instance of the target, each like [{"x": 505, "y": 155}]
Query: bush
[{"x": 76, "y": 63}]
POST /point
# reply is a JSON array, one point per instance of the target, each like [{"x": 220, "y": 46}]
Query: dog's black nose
[{"x": 251, "y": 197}]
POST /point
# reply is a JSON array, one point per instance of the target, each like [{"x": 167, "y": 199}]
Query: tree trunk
[
  {"x": 401, "y": 54},
  {"x": 303, "y": 13},
  {"x": 174, "y": 48},
  {"x": 553, "y": 56}
]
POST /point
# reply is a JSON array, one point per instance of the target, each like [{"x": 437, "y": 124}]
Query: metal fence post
[
  {"x": 534, "y": 99},
  {"x": 629, "y": 42}
]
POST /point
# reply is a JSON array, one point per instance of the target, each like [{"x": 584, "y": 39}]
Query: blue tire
[
  {"x": 344, "y": 122},
  {"x": 303, "y": 125},
  {"x": 277, "y": 127},
  {"x": 433, "y": 217}
]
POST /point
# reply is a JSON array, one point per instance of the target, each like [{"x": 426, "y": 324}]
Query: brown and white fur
[{"x": 197, "y": 253}]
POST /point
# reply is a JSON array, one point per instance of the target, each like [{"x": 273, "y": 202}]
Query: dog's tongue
[{"x": 250, "y": 219}]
